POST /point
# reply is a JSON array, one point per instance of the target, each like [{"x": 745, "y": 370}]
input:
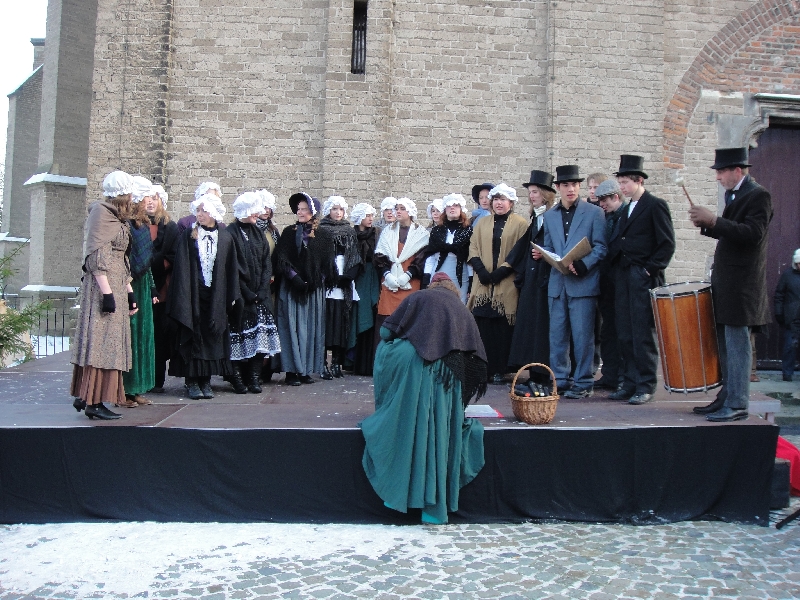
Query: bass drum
[{"x": 687, "y": 336}]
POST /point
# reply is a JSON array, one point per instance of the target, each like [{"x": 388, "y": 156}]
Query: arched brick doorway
[{"x": 776, "y": 166}]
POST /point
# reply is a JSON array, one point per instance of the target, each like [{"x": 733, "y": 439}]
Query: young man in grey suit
[
  {"x": 739, "y": 276},
  {"x": 645, "y": 246},
  {"x": 573, "y": 297}
]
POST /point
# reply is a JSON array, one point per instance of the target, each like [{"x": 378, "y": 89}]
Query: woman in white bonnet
[
  {"x": 448, "y": 248},
  {"x": 204, "y": 288},
  {"x": 399, "y": 259},
  {"x": 207, "y": 187},
  {"x": 265, "y": 223},
  {"x": 435, "y": 213},
  {"x": 141, "y": 377},
  {"x": 341, "y": 294},
  {"x": 101, "y": 351},
  {"x": 253, "y": 331},
  {"x": 368, "y": 286},
  {"x": 387, "y": 214}
]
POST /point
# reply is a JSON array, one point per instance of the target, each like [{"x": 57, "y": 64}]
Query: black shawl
[
  {"x": 314, "y": 263},
  {"x": 439, "y": 326},
  {"x": 459, "y": 247},
  {"x": 255, "y": 266},
  {"x": 367, "y": 240},
  {"x": 183, "y": 299},
  {"x": 164, "y": 247}
]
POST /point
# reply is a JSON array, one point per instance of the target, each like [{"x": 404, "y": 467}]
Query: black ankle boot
[
  {"x": 253, "y": 385},
  {"x": 326, "y": 373},
  {"x": 336, "y": 370},
  {"x": 101, "y": 412},
  {"x": 193, "y": 389},
  {"x": 205, "y": 388},
  {"x": 79, "y": 404},
  {"x": 236, "y": 379}
]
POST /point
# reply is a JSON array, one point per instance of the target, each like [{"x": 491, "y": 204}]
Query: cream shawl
[
  {"x": 390, "y": 240},
  {"x": 503, "y": 296}
]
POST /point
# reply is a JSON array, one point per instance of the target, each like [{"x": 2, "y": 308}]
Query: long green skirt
[
  {"x": 142, "y": 376},
  {"x": 420, "y": 450}
]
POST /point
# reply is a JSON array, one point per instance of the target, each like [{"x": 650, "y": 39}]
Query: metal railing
[{"x": 54, "y": 327}]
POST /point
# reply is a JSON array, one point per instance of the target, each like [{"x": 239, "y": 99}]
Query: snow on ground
[{"x": 125, "y": 558}]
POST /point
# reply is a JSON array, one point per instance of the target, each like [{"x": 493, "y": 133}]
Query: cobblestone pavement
[{"x": 556, "y": 560}]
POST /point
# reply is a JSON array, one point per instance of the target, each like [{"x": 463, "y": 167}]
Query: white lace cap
[
  {"x": 388, "y": 203},
  {"x": 117, "y": 183},
  {"x": 159, "y": 191},
  {"x": 361, "y": 210},
  {"x": 453, "y": 199},
  {"x": 409, "y": 204},
  {"x": 796, "y": 256},
  {"x": 206, "y": 187},
  {"x": 334, "y": 201},
  {"x": 142, "y": 187},
  {"x": 268, "y": 198},
  {"x": 438, "y": 204},
  {"x": 502, "y": 189},
  {"x": 211, "y": 204},
  {"x": 249, "y": 203}
]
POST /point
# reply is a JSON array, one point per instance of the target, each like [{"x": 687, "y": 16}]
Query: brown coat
[{"x": 103, "y": 340}]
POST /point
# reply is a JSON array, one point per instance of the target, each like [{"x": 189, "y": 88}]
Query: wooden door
[{"x": 776, "y": 166}]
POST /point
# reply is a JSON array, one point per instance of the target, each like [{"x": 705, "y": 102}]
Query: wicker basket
[{"x": 534, "y": 410}]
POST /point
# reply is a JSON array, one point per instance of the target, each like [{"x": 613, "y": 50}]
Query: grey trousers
[{"x": 735, "y": 357}]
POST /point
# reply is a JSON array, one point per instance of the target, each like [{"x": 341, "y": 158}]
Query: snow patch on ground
[{"x": 115, "y": 559}]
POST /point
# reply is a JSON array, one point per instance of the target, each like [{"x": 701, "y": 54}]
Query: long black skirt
[
  {"x": 337, "y": 323},
  {"x": 496, "y": 334}
]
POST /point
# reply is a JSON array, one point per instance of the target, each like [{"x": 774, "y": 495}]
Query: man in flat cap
[
  {"x": 738, "y": 278},
  {"x": 610, "y": 198},
  {"x": 645, "y": 246}
]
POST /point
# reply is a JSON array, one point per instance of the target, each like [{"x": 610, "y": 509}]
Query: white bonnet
[
  {"x": 268, "y": 198},
  {"x": 142, "y": 187},
  {"x": 438, "y": 204},
  {"x": 409, "y": 205},
  {"x": 453, "y": 199},
  {"x": 211, "y": 204},
  {"x": 334, "y": 201},
  {"x": 361, "y": 210},
  {"x": 158, "y": 190},
  {"x": 502, "y": 189},
  {"x": 388, "y": 203},
  {"x": 249, "y": 203},
  {"x": 205, "y": 187},
  {"x": 117, "y": 183},
  {"x": 796, "y": 257}
]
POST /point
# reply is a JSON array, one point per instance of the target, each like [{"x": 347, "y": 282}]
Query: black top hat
[
  {"x": 630, "y": 164},
  {"x": 476, "y": 189},
  {"x": 730, "y": 157},
  {"x": 541, "y": 179},
  {"x": 566, "y": 173},
  {"x": 297, "y": 198}
]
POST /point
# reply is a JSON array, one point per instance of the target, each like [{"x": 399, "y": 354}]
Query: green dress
[
  {"x": 420, "y": 450},
  {"x": 142, "y": 376}
]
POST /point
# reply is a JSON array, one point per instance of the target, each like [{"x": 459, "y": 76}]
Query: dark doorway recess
[{"x": 776, "y": 166}]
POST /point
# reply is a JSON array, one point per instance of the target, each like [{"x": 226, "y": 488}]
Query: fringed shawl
[{"x": 503, "y": 296}]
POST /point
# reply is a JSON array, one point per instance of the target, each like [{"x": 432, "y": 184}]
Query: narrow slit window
[{"x": 358, "y": 59}]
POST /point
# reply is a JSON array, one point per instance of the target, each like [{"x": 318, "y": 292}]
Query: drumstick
[{"x": 679, "y": 181}]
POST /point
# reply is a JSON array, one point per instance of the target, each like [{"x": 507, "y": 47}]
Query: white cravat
[{"x": 207, "y": 249}]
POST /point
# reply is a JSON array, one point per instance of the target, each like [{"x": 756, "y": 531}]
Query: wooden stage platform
[{"x": 293, "y": 454}]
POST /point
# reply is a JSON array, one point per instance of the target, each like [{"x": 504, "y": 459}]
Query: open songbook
[{"x": 581, "y": 249}]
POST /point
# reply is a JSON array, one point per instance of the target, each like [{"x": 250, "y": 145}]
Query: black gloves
[
  {"x": 298, "y": 285},
  {"x": 109, "y": 305},
  {"x": 580, "y": 268},
  {"x": 500, "y": 273},
  {"x": 131, "y": 301},
  {"x": 484, "y": 276}
]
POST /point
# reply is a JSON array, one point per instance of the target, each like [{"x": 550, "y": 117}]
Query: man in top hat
[
  {"x": 739, "y": 276},
  {"x": 610, "y": 198},
  {"x": 645, "y": 246},
  {"x": 480, "y": 194},
  {"x": 573, "y": 297}
]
